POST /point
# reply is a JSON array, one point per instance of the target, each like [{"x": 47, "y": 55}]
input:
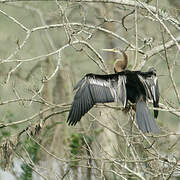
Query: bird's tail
[
  {"x": 156, "y": 105},
  {"x": 145, "y": 120}
]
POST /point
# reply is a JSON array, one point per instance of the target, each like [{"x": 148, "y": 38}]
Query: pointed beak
[{"x": 109, "y": 50}]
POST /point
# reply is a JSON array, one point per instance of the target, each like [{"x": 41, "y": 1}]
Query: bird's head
[{"x": 121, "y": 60}]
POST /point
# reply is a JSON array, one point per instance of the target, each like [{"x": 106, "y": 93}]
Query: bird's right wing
[
  {"x": 150, "y": 82},
  {"x": 94, "y": 89}
]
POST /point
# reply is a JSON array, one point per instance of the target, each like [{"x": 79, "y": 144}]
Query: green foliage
[
  {"x": 27, "y": 172},
  {"x": 76, "y": 141},
  {"x": 163, "y": 10},
  {"x": 114, "y": 176},
  {"x": 75, "y": 144},
  {"x": 7, "y": 132},
  {"x": 32, "y": 148},
  {"x": 10, "y": 118}
]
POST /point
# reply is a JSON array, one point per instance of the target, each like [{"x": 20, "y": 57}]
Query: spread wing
[
  {"x": 150, "y": 82},
  {"x": 92, "y": 89}
]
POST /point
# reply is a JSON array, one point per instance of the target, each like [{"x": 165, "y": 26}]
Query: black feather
[
  {"x": 135, "y": 86},
  {"x": 145, "y": 121}
]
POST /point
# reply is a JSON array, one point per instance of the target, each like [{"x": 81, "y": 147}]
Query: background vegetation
[{"x": 45, "y": 48}]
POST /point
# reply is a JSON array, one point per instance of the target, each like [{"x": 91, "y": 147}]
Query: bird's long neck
[{"x": 121, "y": 64}]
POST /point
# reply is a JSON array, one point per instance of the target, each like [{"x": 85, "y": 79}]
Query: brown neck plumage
[{"x": 121, "y": 64}]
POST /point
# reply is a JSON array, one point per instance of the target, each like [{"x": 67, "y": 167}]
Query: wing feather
[
  {"x": 122, "y": 93},
  {"x": 92, "y": 89},
  {"x": 151, "y": 87}
]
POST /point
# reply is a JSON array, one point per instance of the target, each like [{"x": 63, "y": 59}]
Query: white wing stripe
[{"x": 146, "y": 86}]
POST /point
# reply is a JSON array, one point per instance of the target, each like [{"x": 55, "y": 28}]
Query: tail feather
[
  {"x": 145, "y": 120},
  {"x": 156, "y": 105}
]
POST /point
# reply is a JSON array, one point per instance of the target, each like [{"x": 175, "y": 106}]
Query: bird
[{"x": 122, "y": 86}]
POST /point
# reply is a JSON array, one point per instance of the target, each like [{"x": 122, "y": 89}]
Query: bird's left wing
[
  {"x": 92, "y": 89},
  {"x": 150, "y": 82}
]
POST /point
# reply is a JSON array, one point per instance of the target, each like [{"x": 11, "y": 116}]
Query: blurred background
[{"x": 46, "y": 47}]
